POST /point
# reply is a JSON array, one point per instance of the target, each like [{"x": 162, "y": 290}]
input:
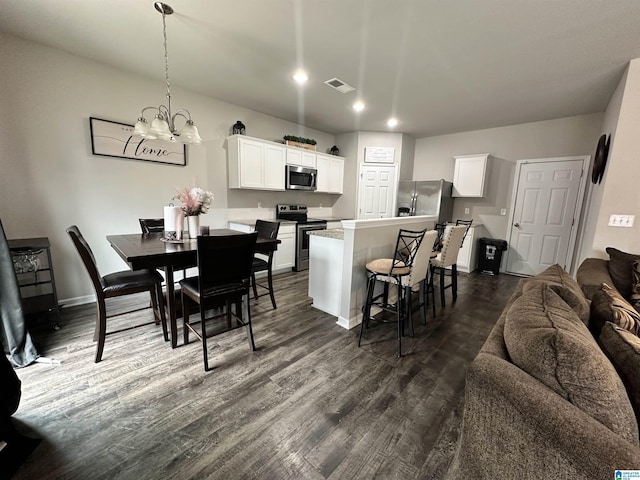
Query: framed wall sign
[
  {"x": 379, "y": 154},
  {"x": 114, "y": 139}
]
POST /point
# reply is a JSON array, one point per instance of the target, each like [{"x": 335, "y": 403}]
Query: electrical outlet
[
  {"x": 503, "y": 211},
  {"x": 621, "y": 220},
  {"x": 259, "y": 204},
  {"x": 466, "y": 211}
]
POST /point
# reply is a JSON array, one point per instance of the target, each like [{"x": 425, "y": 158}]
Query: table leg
[{"x": 171, "y": 305}]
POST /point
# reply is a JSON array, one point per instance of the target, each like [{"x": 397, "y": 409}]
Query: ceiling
[{"x": 439, "y": 66}]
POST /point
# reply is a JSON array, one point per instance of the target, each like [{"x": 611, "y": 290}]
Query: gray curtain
[{"x": 17, "y": 343}]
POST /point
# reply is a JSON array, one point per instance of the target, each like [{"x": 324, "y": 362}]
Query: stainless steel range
[{"x": 298, "y": 214}]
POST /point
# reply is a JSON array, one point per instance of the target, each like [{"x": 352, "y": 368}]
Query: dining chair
[
  {"x": 447, "y": 258},
  {"x": 264, "y": 262},
  {"x": 118, "y": 284},
  {"x": 392, "y": 271},
  {"x": 151, "y": 225},
  {"x": 223, "y": 282},
  {"x": 156, "y": 225}
]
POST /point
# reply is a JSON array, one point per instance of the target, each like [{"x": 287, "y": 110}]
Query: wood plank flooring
[{"x": 308, "y": 404}]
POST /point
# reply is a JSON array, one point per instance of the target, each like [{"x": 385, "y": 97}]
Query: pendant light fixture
[{"x": 163, "y": 126}]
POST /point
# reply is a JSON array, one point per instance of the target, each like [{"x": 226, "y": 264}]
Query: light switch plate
[
  {"x": 503, "y": 211},
  {"x": 621, "y": 220}
]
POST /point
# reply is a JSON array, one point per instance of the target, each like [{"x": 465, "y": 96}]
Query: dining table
[{"x": 149, "y": 250}]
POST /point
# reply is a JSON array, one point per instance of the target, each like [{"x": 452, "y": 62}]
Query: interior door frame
[{"x": 577, "y": 226}]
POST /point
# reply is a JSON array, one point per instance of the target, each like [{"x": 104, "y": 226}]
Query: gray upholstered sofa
[{"x": 542, "y": 398}]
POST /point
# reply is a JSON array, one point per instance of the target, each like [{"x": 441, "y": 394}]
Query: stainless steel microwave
[{"x": 300, "y": 178}]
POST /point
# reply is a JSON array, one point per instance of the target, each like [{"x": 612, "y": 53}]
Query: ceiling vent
[{"x": 339, "y": 85}]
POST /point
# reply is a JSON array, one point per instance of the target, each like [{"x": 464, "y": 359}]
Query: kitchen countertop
[
  {"x": 252, "y": 222},
  {"x": 337, "y": 233}
]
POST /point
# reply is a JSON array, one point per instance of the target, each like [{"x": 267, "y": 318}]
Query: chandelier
[{"x": 163, "y": 126}]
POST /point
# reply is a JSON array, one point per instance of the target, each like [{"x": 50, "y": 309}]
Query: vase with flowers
[{"x": 195, "y": 201}]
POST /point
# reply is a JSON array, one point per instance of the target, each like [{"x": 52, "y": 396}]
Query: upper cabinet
[
  {"x": 300, "y": 156},
  {"x": 255, "y": 163},
  {"x": 330, "y": 173},
  {"x": 470, "y": 175}
]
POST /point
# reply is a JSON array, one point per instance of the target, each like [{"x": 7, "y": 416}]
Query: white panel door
[
  {"x": 543, "y": 215},
  {"x": 376, "y": 191}
]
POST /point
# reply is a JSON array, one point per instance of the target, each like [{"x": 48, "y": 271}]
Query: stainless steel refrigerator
[{"x": 430, "y": 197}]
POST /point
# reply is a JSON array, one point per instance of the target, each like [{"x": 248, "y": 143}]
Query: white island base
[
  {"x": 325, "y": 269},
  {"x": 337, "y": 259}
]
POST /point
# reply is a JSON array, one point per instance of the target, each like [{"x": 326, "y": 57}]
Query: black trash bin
[{"x": 490, "y": 255}]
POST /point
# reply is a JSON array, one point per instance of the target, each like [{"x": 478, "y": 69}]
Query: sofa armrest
[
  {"x": 515, "y": 427},
  {"x": 592, "y": 273}
]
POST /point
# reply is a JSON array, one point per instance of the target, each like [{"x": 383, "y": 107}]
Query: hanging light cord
[{"x": 166, "y": 62}]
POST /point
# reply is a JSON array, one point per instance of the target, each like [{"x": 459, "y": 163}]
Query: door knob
[{"x": 516, "y": 224}]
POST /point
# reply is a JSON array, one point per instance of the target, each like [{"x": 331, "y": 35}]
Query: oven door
[{"x": 302, "y": 244}]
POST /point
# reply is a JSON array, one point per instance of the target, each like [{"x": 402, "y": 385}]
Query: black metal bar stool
[{"x": 396, "y": 271}]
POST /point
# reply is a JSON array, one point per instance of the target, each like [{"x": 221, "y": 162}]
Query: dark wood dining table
[{"x": 147, "y": 250}]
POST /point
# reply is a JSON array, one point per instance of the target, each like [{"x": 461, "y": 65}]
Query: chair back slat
[
  {"x": 151, "y": 225},
  {"x": 225, "y": 259},
  {"x": 267, "y": 229},
  {"x": 87, "y": 257}
]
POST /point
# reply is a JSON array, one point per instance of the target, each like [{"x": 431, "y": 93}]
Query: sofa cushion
[
  {"x": 545, "y": 338},
  {"x": 634, "y": 298},
  {"x": 623, "y": 349},
  {"x": 608, "y": 305},
  {"x": 621, "y": 269},
  {"x": 565, "y": 286}
]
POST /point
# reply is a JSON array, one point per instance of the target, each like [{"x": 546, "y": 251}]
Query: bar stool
[
  {"x": 396, "y": 271},
  {"x": 419, "y": 277},
  {"x": 447, "y": 257}
]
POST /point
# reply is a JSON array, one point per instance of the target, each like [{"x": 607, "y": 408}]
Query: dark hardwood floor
[{"x": 308, "y": 404}]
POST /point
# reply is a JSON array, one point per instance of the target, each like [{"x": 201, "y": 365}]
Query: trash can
[{"x": 490, "y": 255}]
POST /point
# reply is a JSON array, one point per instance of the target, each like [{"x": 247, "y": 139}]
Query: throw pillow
[
  {"x": 623, "y": 349},
  {"x": 635, "y": 290},
  {"x": 545, "y": 338},
  {"x": 564, "y": 285},
  {"x": 608, "y": 305},
  {"x": 621, "y": 269}
]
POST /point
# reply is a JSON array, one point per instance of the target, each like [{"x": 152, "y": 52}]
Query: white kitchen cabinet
[
  {"x": 468, "y": 254},
  {"x": 330, "y": 173},
  {"x": 469, "y": 176},
  {"x": 300, "y": 156},
  {"x": 285, "y": 256},
  {"x": 255, "y": 163}
]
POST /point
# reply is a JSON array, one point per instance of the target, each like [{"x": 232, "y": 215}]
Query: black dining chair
[
  {"x": 151, "y": 225},
  {"x": 223, "y": 282},
  {"x": 263, "y": 262},
  {"x": 116, "y": 285}
]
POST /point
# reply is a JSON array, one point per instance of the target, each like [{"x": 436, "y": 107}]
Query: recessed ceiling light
[
  {"x": 300, "y": 77},
  {"x": 392, "y": 122},
  {"x": 358, "y": 106}
]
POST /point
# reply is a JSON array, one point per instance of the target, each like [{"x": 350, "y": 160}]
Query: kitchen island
[{"x": 337, "y": 259}]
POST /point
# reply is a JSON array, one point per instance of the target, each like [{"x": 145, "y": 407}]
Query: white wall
[
  {"x": 50, "y": 179},
  {"x": 619, "y": 187},
  {"x": 553, "y": 138}
]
